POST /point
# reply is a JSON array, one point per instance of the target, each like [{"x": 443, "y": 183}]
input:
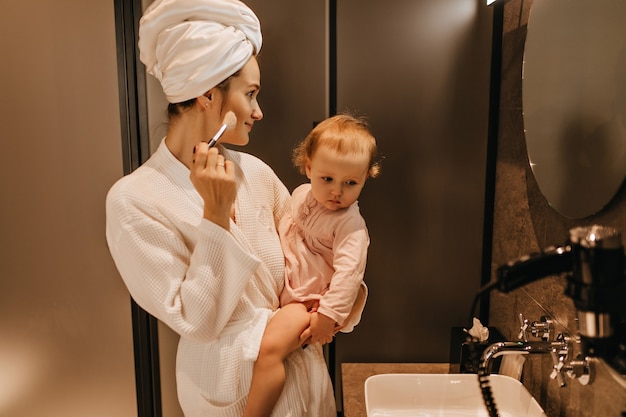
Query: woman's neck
[{"x": 182, "y": 136}]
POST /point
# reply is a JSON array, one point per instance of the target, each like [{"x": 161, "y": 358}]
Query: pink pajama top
[{"x": 325, "y": 255}]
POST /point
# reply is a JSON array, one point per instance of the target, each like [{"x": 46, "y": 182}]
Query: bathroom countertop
[{"x": 354, "y": 376}]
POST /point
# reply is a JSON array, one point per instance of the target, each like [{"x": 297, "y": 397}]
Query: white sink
[{"x": 445, "y": 395}]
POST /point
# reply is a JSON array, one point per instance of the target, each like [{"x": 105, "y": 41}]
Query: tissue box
[{"x": 461, "y": 352}]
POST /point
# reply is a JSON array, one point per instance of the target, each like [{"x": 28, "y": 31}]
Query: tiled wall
[{"x": 525, "y": 223}]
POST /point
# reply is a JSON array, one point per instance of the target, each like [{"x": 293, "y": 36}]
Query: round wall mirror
[{"x": 574, "y": 102}]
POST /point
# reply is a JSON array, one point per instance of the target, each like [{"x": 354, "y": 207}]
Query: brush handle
[{"x": 217, "y": 136}]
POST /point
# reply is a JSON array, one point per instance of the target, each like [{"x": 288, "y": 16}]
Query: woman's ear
[
  {"x": 207, "y": 98},
  {"x": 203, "y": 101}
]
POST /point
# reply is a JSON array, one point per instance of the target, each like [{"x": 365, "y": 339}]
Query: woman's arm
[{"x": 194, "y": 290}]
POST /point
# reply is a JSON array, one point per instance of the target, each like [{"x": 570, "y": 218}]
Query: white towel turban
[{"x": 191, "y": 46}]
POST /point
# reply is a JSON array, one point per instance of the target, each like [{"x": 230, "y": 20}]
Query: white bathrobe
[{"x": 215, "y": 288}]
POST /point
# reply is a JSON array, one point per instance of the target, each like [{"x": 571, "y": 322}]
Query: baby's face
[{"x": 337, "y": 180}]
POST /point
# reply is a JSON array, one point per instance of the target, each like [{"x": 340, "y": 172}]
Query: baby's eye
[
  {"x": 327, "y": 179},
  {"x": 351, "y": 183}
]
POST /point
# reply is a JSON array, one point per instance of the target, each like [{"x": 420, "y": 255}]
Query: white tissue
[
  {"x": 478, "y": 331},
  {"x": 512, "y": 365}
]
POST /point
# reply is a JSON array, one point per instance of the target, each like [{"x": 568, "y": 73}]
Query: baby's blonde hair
[{"x": 345, "y": 134}]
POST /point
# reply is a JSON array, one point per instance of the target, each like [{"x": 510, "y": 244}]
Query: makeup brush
[{"x": 230, "y": 120}]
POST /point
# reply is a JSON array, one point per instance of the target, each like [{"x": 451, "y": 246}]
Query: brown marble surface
[{"x": 354, "y": 376}]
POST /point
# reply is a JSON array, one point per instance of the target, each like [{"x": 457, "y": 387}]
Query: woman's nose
[{"x": 257, "y": 113}]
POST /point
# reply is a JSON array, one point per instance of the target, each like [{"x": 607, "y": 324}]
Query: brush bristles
[{"x": 230, "y": 120}]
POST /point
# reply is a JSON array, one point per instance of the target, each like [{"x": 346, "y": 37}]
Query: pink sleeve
[{"x": 349, "y": 260}]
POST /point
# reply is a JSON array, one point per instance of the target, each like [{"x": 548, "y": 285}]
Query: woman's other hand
[{"x": 214, "y": 179}]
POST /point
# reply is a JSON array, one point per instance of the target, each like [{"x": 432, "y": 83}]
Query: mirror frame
[{"x": 493, "y": 127}]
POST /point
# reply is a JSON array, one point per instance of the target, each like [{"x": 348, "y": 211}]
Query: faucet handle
[
  {"x": 542, "y": 329},
  {"x": 579, "y": 369},
  {"x": 524, "y": 323},
  {"x": 557, "y": 360},
  {"x": 559, "y": 354}
]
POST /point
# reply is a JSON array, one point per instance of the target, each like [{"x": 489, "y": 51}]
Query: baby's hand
[
  {"x": 322, "y": 328},
  {"x": 313, "y": 308}
]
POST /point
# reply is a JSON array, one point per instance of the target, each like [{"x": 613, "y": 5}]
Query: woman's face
[
  {"x": 336, "y": 180},
  {"x": 241, "y": 99}
]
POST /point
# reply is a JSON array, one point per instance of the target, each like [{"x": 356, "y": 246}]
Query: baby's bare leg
[{"x": 281, "y": 337}]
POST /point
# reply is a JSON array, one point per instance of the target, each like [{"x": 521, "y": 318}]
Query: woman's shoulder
[
  {"x": 147, "y": 184},
  {"x": 261, "y": 180},
  {"x": 155, "y": 178},
  {"x": 247, "y": 161},
  {"x": 134, "y": 187},
  {"x": 254, "y": 169}
]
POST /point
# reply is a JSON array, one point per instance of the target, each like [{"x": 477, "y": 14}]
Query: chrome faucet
[{"x": 558, "y": 350}]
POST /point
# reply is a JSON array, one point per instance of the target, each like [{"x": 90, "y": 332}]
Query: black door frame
[{"x": 135, "y": 151}]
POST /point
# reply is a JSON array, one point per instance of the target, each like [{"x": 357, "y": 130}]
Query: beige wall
[
  {"x": 65, "y": 327},
  {"x": 525, "y": 223}
]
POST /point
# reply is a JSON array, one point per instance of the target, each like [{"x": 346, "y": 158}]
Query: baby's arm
[{"x": 350, "y": 257}]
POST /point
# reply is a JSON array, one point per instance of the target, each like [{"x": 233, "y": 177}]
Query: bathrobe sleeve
[{"x": 194, "y": 290}]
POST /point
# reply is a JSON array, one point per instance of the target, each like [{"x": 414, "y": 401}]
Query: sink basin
[{"x": 445, "y": 395}]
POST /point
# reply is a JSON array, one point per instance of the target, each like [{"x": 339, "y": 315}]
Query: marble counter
[{"x": 353, "y": 376}]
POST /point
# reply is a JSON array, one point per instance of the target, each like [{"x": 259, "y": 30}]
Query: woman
[{"x": 193, "y": 230}]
